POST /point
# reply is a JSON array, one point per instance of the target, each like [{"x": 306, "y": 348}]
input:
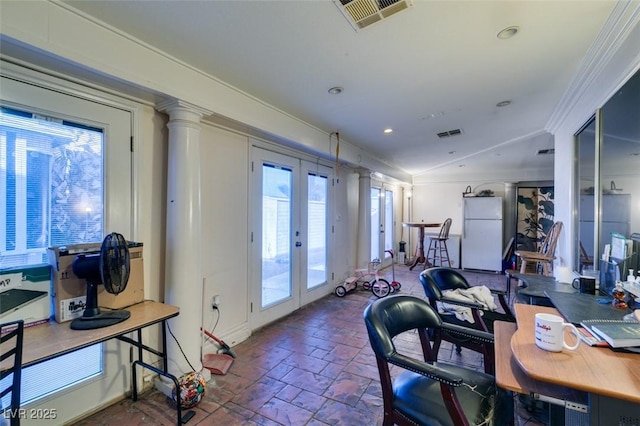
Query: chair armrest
[
  {"x": 425, "y": 369},
  {"x": 478, "y": 336}
]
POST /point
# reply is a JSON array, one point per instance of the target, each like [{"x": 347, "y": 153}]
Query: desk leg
[{"x": 134, "y": 393}]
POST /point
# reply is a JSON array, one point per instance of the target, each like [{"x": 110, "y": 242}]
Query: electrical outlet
[{"x": 215, "y": 301}]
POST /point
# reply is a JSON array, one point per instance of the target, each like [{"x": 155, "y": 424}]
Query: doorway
[
  {"x": 381, "y": 224},
  {"x": 291, "y": 201}
]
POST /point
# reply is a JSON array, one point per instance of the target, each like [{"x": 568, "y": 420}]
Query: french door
[
  {"x": 290, "y": 226},
  {"x": 381, "y": 224}
]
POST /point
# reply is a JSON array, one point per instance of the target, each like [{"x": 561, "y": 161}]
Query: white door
[
  {"x": 290, "y": 234},
  {"x": 381, "y": 224}
]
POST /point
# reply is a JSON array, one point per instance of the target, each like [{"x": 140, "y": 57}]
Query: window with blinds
[{"x": 51, "y": 194}]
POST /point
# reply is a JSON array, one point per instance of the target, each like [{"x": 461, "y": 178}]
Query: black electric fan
[{"x": 111, "y": 268}]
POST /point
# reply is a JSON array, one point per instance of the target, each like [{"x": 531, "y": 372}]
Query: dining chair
[
  {"x": 437, "y": 253},
  {"x": 421, "y": 390},
  {"x": 11, "y": 336},
  {"x": 435, "y": 282},
  {"x": 543, "y": 258}
]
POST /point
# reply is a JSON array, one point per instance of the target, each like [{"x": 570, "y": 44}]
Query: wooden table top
[
  {"x": 510, "y": 376},
  {"x": 591, "y": 369},
  {"x": 421, "y": 224},
  {"x": 46, "y": 341}
]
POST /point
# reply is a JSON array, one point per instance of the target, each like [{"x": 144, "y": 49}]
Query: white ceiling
[{"x": 434, "y": 67}]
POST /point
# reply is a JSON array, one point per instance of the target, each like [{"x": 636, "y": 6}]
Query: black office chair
[
  {"x": 11, "y": 335},
  {"x": 427, "y": 392},
  {"x": 436, "y": 280}
]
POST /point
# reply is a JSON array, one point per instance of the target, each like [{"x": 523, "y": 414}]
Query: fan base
[{"x": 103, "y": 319}]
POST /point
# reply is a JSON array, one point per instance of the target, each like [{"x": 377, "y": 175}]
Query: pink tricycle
[{"x": 368, "y": 279}]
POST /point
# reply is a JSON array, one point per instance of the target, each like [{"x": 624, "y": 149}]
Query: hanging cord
[
  {"x": 180, "y": 347},
  {"x": 337, "y": 134}
]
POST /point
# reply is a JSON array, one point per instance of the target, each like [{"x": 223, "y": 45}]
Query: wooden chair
[
  {"x": 11, "y": 335},
  {"x": 422, "y": 390},
  {"x": 544, "y": 257},
  {"x": 437, "y": 253},
  {"x": 585, "y": 259}
]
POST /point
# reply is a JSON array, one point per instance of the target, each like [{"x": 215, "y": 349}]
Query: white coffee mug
[{"x": 549, "y": 333}]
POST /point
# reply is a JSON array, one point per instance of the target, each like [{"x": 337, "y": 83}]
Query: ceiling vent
[
  {"x": 449, "y": 133},
  {"x": 548, "y": 151},
  {"x": 362, "y": 13}
]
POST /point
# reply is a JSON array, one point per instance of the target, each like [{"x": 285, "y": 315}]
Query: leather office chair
[
  {"x": 545, "y": 255},
  {"x": 437, "y": 253},
  {"x": 436, "y": 280},
  {"x": 424, "y": 391},
  {"x": 11, "y": 355}
]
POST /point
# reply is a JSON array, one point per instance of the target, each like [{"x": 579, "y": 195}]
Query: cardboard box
[
  {"x": 69, "y": 292},
  {"x": 24, "y": 294}
]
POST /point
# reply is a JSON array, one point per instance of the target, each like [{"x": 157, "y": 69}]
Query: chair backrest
[
  {"x": 437, "y": 279},
  {"x": 392, "y": 315},
  {"x": 444, "y": 229},
  {"x": 11, "y": 335},
  {"x": 548, "y": 246}
]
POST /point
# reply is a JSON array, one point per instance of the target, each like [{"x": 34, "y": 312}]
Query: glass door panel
[
  {"x": 317, "y": 204},
  {"x": 376, "y": 223},
  {"x": 276, "y": 233}
]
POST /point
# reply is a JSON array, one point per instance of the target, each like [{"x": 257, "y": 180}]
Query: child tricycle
[{"x": 368, "y": 279}]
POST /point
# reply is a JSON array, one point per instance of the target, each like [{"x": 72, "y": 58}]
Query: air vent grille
[
  {"x": 548, "y": 151},
  {"x": 449, "y": 133},
  {"x": 362, "y": 13}
]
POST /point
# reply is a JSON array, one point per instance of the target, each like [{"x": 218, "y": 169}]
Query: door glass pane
[
  {"x": 276, "y": 234},
  {"x": 317, "y": 230},
  {"x": 375, "y": 223},
  {"x": 620, "y": 170},
  {"x": 388, "y": 221},
  {"x": 586, "y": 181}
]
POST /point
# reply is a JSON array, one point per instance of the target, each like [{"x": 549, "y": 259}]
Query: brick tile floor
[{"x": 314, "y": 367}]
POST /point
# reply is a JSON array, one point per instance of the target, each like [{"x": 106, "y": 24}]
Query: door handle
[{"x": 298, "y": 244}]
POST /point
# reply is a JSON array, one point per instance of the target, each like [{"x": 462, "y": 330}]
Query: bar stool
[{"x": 437, "y": 253}]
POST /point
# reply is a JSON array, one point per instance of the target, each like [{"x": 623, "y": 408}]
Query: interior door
[
  {"x": 381, "y": 224},
  {"x": 290, "y": 234}
]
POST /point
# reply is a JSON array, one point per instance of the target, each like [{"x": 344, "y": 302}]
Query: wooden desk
[
  {"x": 510, "y": 376},
  {"x": 47, "y": 341},
  {"x": 596, "y": 370},
  {"x": 420, "y": 225}
]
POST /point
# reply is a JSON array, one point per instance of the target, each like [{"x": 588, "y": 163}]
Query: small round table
[{"x": 420, "y": 225}]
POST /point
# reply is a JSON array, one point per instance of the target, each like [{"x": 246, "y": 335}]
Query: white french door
[
  {"x": 290, "y": 227},
  {"x": 381, "y": 224}
]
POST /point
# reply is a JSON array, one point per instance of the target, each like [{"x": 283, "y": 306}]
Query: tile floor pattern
[{"x": 314, "y": 367}]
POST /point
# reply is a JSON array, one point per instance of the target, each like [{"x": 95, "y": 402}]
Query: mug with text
[{"x": 549, "y": 333}]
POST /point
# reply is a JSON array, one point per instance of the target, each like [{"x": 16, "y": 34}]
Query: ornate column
[{"x": 183, "y": 276}]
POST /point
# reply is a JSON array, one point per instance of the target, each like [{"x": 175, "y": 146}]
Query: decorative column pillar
[{"x": 183, "y": 263}]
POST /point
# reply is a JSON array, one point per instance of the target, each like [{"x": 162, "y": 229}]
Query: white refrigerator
[{"x": 482, "y": 234}]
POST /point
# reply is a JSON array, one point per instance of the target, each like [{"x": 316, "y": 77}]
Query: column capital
[{"x": 179, "y": 109}]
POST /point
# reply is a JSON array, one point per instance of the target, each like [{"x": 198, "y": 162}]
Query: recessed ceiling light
[
  {"x": 508, "y": 32},
  {"x": 388, "y": 130},
  {"x": 335, "y": 90},
  {"x": 503, "y": 104}
]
